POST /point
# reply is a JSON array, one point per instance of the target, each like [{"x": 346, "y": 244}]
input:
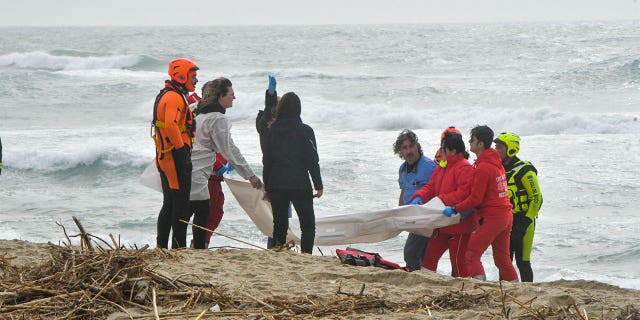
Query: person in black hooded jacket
[
  {"x": 290, "y": 156},
  {"x": 264, "y": 118}
]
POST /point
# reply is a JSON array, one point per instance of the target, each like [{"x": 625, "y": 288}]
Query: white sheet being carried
[{"x": 364, "y": 227}]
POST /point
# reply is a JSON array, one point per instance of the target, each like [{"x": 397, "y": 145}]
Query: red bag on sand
[{"x": 361, "y": 258}]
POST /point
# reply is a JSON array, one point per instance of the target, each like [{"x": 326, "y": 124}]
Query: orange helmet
[
  {"x": 182, "y": 71},
  {"x": 451, "y": 129}
]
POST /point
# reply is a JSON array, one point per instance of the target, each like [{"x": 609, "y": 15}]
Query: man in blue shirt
[{"x": 414, "y": 173}]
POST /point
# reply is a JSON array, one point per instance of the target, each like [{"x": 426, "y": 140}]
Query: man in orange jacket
[{"x": 173, "y": 133}]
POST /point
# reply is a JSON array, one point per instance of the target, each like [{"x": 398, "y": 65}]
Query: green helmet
[{"x": 511, "y": 140}]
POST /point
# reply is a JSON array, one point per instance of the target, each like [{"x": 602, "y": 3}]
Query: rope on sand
[{"x": 220, "y": 234}]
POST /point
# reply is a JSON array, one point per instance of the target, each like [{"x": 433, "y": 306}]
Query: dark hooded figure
[{"x": 290, "y": 156}]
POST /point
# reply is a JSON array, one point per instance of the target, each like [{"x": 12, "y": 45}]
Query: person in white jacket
[{"x": 213, "y": 135}]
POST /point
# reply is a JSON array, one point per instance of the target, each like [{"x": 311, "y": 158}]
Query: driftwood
[{"x": 89, "y": 282}]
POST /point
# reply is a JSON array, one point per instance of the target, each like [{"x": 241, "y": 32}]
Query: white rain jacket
[{"x": 213, "y": 134}]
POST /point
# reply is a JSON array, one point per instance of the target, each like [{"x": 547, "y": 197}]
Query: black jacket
[
  {"x": 290, "y": 156},
  {"x": 265, "y": 116}
]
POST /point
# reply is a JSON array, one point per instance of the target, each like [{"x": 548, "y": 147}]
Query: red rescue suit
[
  {"x": 451, "y": 184},
  {"x": 490, "y": 197}
]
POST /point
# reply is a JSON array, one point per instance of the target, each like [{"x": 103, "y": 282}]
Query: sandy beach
[{"x": 255, "y": 284}]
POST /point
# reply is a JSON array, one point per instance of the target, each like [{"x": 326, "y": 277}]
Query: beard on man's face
[{"x": 411, "y": 157}]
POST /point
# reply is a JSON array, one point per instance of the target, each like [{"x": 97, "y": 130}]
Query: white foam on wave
[
  {"x": 318, "y": 111},
  {"x": 6, "y": 233},
  {"x": 47, "y": 61},
  {"x": 114, "y": 74},
  {"x": 570, "y": 274},
  {"x": 546, "y": 121},
  {"x": 69, "y": 158},
  {"x": 42, "y": 150},
  {"x": 543, "y": 120},
  {"x": 304, "y": 73}
]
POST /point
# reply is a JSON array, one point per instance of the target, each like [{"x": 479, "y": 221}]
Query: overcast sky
[{"x": 295, "y": 12}]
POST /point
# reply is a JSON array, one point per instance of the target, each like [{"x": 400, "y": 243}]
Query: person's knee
[{"x": 473, "y": 252}]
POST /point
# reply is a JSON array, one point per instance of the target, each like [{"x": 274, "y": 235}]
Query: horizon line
[{"x": 325, "y": 24}]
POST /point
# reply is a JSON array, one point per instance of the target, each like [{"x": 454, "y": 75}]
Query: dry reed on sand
[{"x": 89, "y": 282}]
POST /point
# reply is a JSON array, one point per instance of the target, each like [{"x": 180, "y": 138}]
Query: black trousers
[
  {"x": 521, "y": 245},
  {"x": 303, "y": 203},
  {"x": 200, "y": 209},
  {"x": 414, "y": 250},
  {"x": 175, "y": 206}
]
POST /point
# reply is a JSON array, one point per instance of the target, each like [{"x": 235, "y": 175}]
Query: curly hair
[{"x": 406, "y": 134}]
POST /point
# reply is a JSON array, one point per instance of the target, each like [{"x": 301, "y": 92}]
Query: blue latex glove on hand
[
  {"x": 223, "y": 169},
  {"x": 220, "y": 171},
  {"x": 416, "y": 200},
  {"x": 272, "y": 85},
  {"x": 448, "y": 211}
]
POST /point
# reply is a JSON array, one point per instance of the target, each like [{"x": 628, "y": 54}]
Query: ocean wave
[
  {"x": 8, "y": 233},
  {"x": 322, "y": 113},
  {"x": 546, "y": 120},
  {"x": 113, "y": 74},
  {"x": 526, "y": 121},
  {"x": 300, "y": 73},
  {"x": 604, "y": 72},
  {"x": 626, "y": 255},
  {"x": 604, "y": 280},
  {"x": 67, "y": 60},
  {"x": 632, "y": 68},
  {"x": 92, "y": 149},
  {"x": 64, "y": 160}
]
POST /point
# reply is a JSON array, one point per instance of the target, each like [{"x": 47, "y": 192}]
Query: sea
[{"x": 76, "y": 105}]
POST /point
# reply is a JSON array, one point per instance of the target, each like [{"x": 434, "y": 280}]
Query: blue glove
[
  {"x": 223, "y": 169},
  {"x": 449, "y": 211},
  {"x": 272, "y": 85},
  {"x": 416, "y": 200}
]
